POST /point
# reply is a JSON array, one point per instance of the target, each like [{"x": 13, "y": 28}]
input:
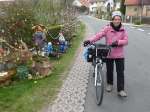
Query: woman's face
[{"x": 116, "y": 20}]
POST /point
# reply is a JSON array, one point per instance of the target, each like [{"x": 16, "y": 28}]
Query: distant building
[
  {"x": 104, "y": 5},
  {"x": 118, "y": 4},
  {"x": 137, "y": 7},
  {"x": 109, "y": 4},
  {"x": 138, "y": 11}
]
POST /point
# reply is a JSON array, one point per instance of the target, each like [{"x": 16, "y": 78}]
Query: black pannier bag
[
  {"x": 103, "y": 52},
  {"x": 90, "y": 53}
]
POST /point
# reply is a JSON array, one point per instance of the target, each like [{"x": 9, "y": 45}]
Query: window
[{"x": 148, "y": 8}]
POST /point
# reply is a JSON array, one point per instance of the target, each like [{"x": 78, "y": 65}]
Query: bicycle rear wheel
[{"x": 99, "y": 85}]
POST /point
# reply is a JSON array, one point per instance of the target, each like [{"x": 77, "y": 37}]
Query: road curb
[{"x": 130, "y": 24}]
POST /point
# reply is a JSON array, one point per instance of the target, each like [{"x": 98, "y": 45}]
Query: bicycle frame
[
  {"x": 98, "y": 61},
  {"x": 98, "y": 52}
]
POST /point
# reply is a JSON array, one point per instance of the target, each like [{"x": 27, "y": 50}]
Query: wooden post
[{"x": 131, "y": 19}]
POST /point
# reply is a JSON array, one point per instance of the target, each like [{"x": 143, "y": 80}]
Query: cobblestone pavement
[
  {"x": 73, "y": 92},
  {"x": 71, "y": 97}
]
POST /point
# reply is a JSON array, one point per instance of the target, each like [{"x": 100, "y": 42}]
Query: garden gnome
[
  {"x": 50, "y": 48},
  {"x": 62, "y": 42},
  {"x": 39, "y": 37}
]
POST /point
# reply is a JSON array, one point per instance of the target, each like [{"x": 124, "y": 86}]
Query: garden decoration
[
  {"x": 25, "y": 54},
  {"x": 7, "y": 62},
  {"x": 39, "y": 37},
  {"x": 6, "y": 76},
  {"x": 56, "y": 46},
  {"x": 61, "y": 43},
  {"x": 48, "y": 49},
  {"x": 22, "y": 72},
  {"x": 41, "y": 66}
]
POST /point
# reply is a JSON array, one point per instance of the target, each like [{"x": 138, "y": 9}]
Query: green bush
[
  {"x": 18, "y": 21},
  {"x": 137, "y": 22},
  {"x": 22, "y": 72}
]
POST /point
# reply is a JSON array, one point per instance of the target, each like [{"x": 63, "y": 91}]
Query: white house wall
[{"x": 93, "y": 7}]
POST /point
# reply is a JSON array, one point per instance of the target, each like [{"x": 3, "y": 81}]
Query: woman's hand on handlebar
[
  {"x": 114, "y": 44},
  {"x": 86, "y": 42}
]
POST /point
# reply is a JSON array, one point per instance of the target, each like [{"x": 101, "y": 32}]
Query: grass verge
[{"x": 32, "y": 95}]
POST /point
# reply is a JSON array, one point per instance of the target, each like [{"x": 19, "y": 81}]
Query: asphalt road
[{"x": 137, "y": 74}]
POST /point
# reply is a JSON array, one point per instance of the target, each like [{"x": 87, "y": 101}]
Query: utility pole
[{"x": 141, "y": 16}]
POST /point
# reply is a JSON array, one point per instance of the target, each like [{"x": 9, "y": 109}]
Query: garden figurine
[
  {"x": 39, "y": 37},
  {"x": 62, "y": 42}
]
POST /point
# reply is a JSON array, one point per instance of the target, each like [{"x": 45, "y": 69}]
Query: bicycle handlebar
[
  {"x": 99, "y": 45},
  {"x": 101, "y": 50}
]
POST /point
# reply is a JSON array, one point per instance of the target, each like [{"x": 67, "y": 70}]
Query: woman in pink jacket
[{"x": 116, "y": 36}]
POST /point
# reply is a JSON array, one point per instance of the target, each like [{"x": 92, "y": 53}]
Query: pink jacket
[{"x": 110, "y": 36}]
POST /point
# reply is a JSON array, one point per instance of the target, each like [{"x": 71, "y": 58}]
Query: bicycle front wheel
[{"x": 99, "y": 84}]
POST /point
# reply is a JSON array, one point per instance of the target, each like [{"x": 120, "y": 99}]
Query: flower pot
[
  {"x": 43, "y": 68},
  {"x": 7, "y": 75}
]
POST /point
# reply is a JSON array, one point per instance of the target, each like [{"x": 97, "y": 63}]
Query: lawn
[{"x": 32, "y": 95}]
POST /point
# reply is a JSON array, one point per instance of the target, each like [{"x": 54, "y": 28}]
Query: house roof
[
  {"x": 132, "y": 2},
  {"x": 137, "y": 2},
  {"x": 85, "y": 2}
]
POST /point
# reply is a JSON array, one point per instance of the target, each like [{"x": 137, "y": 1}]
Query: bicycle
[{"x": 97, "y": 53}]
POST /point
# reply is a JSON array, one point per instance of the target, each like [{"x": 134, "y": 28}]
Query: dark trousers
[{"x": 120, "y": 72}]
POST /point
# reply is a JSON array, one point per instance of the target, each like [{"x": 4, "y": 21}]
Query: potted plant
[{"x": 41, "y": 65}]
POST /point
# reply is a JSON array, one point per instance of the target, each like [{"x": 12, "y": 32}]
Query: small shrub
[{"x": 137, "y": 22}]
